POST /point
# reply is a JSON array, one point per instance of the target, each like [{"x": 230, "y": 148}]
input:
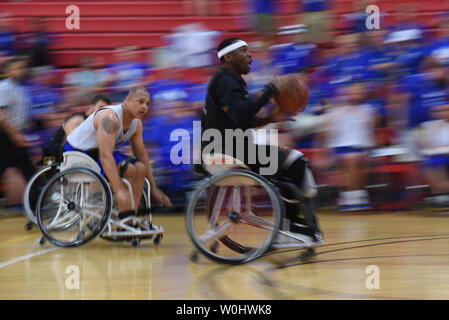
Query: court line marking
[
  {"x": 287, "y": 265},
  {"x": 26, "y": 257},
  {"x": 356, "y": 241},
  {"x": 297, "y": 287}
]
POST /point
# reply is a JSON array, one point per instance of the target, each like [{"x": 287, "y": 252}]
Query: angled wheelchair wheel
[
  {"x": 233, "y": 216},
  {"x": 34, "y": 188},
  {"x": 74, "y": 207}
]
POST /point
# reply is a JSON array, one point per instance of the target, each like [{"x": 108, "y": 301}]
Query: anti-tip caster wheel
[
  {"x": 309, "y": 253},
  {"x": 135, "y": 242},
  {"x": 194, "y": 256},
  {"x": 214, "y": 247},
  {"x": 29, "y": 226},
  {"x": 42, "y": 241},
  {"x": 157, "y": 239}
]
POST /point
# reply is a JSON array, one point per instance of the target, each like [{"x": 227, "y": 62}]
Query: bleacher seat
[
  {"x": 106, "y": 25},
  {"x": 118, "y": 8},
  {"x": 135, "y": 24}
]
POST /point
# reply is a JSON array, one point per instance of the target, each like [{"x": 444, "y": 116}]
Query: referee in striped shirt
[{"x": 14, "y": 117}]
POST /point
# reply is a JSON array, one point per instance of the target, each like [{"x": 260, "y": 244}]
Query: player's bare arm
[
  {"x": 107, "y": 125},
  {"x": 72, "y": 123},
  {"x": 138, "y": 149}
]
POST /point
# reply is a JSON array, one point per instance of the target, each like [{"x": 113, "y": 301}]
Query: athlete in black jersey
[
  {"x": 228, "y": 106},
  {"x": 55, "y": 148}
]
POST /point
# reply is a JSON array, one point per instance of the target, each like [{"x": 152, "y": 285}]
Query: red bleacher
[
  {"x": 135, "y": 24},
  {"x": 105, "y": 25}
]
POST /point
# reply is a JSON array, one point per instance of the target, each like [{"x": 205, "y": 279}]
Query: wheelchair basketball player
[
  {"x": 107, "y": 128},
  {"x": 228, "y": 106}
]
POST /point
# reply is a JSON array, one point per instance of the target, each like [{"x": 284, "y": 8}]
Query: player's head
[
  {"x": 233, "y": 54},
  {"x": 356, "y": 93},
  {"x": 97, "y": 102},
  {"x": 16, "y": 67},
  {"x": 137, "y": 101},
  {"x": 100, "y": 101}
]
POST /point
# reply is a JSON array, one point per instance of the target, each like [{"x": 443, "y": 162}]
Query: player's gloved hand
[
  {"x": 275, "y": 84},
  {"x": 160, "y": 197}
]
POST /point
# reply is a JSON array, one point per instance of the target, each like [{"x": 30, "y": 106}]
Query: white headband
[{"x": 231, "y": 47}]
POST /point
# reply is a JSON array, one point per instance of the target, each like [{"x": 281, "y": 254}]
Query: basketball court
[{"x": 409, "y": 250}]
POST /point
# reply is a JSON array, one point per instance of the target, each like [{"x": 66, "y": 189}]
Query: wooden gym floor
[{"x": 410, "y": 250}]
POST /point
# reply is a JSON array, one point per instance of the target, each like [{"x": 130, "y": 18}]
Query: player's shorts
[
  {"x": 346, "y": 150},
  {"x": 437, "y": 161},
  {"x": 118, "y": 156}
]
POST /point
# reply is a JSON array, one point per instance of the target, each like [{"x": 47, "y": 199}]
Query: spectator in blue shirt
[
  {"x": 7, "y": 37},
  {"x": 406, "y": 48},
  {"x": 36, "y": 43},
  {"x": 348, "y": 65},
  {"x": 44, "y": 98},
  {"x": 264, "y": 11},
  {"x": 422, "y": 92},
  {"x": 317, "y": 16},
  {"x": 126, "y": 72},
  {"x": 376, "y": 55},
  {"x": 439, "y": 47},
  {"x": 295, "y": 54}
]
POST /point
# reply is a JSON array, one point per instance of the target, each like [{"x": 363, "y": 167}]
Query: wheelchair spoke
[
  {"x": 251, "y": 219},
  {"x": 248, "y": 198},
  {"x": 50, "y": 206},
  {"x": 65, "y": 219},
  {"x": 217, "y": 207},
  {"x": 59, "y": 209},
  {"x": 216, "y": 232},
  {"x": 236, "y": 199},
  {"x": 257, "y": 223}
]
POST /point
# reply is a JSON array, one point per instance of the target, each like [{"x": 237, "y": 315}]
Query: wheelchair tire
[
  {"x": 34, "y": 188},
  {"x": 73, "y": 204},
  {"x": 236, "y": 251}
]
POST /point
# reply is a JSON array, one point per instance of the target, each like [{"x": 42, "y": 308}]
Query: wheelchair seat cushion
[
  {"x": 73, "y": 159},
  {"x": 219, "y": 162}
]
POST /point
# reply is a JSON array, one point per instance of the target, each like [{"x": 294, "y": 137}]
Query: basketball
[{"x": 293, "y": 93}]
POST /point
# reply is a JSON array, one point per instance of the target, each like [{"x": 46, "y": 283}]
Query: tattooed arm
[{"x": 107, "y": 125}]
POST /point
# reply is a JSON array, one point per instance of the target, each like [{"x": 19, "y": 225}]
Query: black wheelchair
[{"x": 235, "y": 215}]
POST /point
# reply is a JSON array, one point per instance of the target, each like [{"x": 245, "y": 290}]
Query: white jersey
[
  {"x": 435, "y": 134},
  {"x": 84, "y": 137},
  {"x": 351, "y": 126}
]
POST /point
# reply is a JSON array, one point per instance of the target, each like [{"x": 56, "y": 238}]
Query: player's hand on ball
[
  {"x": 276, "y": 82},
  {"x": 279, "y": 115},
  {"x": 160, "y": 197}
]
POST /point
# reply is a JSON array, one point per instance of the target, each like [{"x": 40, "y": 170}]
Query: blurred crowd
[{"x": 376, "y": 127}]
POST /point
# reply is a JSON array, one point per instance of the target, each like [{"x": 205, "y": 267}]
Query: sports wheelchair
[
  {"x": 72, "y": 203},
  {"x": 235, "y": 215}
]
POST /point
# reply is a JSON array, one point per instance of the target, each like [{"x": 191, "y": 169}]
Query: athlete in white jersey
[{"x": 110, "y": 127}]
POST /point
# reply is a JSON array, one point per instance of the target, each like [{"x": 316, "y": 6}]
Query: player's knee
[
  {"x": 298, "y": 170},
  {"x": 130, "y": 171},
  {"x": 140, "y": 169}
]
